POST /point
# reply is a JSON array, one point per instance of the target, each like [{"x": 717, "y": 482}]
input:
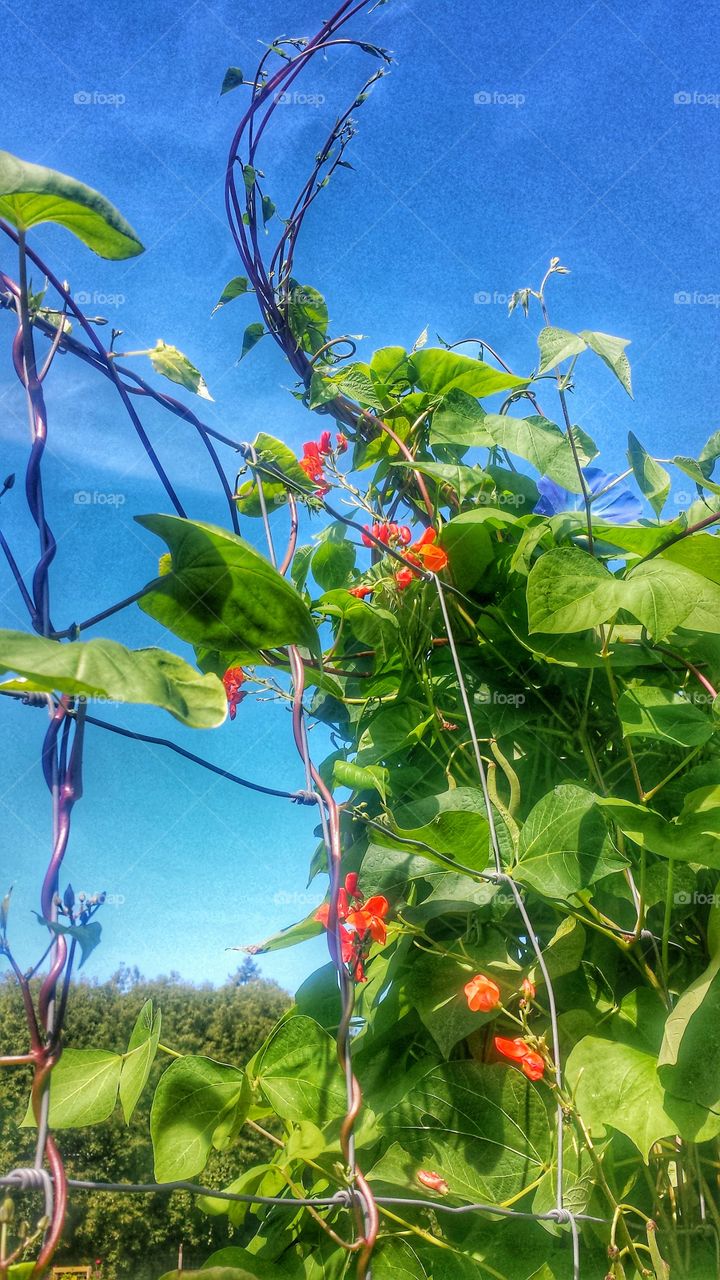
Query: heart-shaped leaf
[
  {"x": 31, "y": 194},
  {"x": 106, "y": 669},
  {"x": 222, "y": 594}
]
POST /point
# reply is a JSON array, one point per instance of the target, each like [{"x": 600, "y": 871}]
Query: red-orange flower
[
  {"x": 377, "y": 533},
  {"x": 532, "y": 1064},
  {"x": 351, "y": 885},
  {"x": 361, "y": 592},
  {"x": 233, "y": 681},
  {"x": 370, "y": 918},
  {"x": 428, "y": 1178},
  {"x": 325, "y": 442},
  {"x": 342, "y": 442},
  {"x": 357, "y": 925},
  {"x": 311, "y": 462},
  {"x": 528, "y": 989},
  {"x": 404, "y": 577},
  {"x": 343, "y": 906},
  {"x": 427, "y": 553},
  {"x": 482, "y": 993}
]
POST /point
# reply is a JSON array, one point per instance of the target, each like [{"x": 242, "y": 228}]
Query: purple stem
[{"x": 80, "y": 317}]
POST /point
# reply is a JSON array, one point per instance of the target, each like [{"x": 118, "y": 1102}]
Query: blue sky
[{"x": 504, "y": 135}]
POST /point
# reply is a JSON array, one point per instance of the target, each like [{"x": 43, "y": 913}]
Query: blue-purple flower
[{"x": 619, "y": 506}]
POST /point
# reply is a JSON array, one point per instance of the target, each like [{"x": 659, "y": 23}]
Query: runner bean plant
[{"x": 509, "y": 1066}]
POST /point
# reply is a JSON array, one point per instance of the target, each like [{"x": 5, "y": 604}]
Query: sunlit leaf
[
  {"x": 106, "y": 669},
  {"x": 172, "y": 364},
  {"x": 31, "y": 194}
]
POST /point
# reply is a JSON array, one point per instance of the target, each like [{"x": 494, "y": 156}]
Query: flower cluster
[
  {"x": 424, "y": 553},
  {"x": 483, "y": 995},
  {"x": 392, "y": 535},
  {"x": 233, "y": 681},
  {"x": 531, "y": 1063},
  {"x": 360, "y": 923},
  {"x": 313, "y": 460}
]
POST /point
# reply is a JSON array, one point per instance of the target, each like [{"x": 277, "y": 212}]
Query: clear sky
[{"x": 505, "y": 134}]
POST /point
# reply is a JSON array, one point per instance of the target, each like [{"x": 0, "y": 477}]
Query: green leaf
[
  {"x": 235, "y": 288},
  {"x": 463, "y": 480},
  {"x": 540, "y": 442},
  {"x": 258, "y": 1272},
  {"x": 470, "y": 548},
  {"x": 653, "y": 480},
  {"x": 87, "y": 936},
  {"x": 453, "y": 823},
  {"x": 617, "y": 1085},
  {"x": 289, "y": 937},
  {"x": 459, "y": 419},
  {"x": 438, "y": 371},
  {"x": 389, "y": 366},
  {"x": 246, "y": 1266},
  {"x": 612, "y": 352},
  {"x": 356, "y": 381},
  {"x": 700, "y": 552},
  {"x": 307, "y": 316},
  {"x": 568, "y": 590},
  {"x": 232, "y": 78},
  {"x": 663, "y": 595},
  {"x": 268, "y": 209},
  {"x": 222, "y": 594},
  {"x": 198, "y": 1104},
  {"x": 692, "y": 837},
  {"x": 253, "y": 333},
  {"x": 689, "y": 1061},
  {"x": 332, "y": 563},
  {"x": 650, "y": 712},
  {"x": 274, "y": 460},
  {"x": 564, "y": 844},
  {"x": 693, "y": 469},
  {"x": 83, "y": 1089},
  {"x": 359, "y": 779},
  {"x": 484, "y": 1129},
  {"x": 390, "y": 730},
  {"x": 299, "y": 1073},
  {"x": 646, "y": 827},
  {"x": 139, "y": 1057},
  {"x": 106, "y": 669},
  {"x": 397, "y": 1260},
  {"x": 31, "y": 194},
  {"x": 435, "y": 988},
  {"x": 172, "y": 364},
  {"x": 557, "y": 345}
]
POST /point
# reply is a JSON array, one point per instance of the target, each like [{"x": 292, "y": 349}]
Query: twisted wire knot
[
  {"x": 33, "y": 1180},
  {"x": 27, "y": 1179},
  {"x": 562, "y": 1216},
  {"x": 304, "y": 797},
  {"x": 345, "y": 1197},
  {"x": 35, "y": 699}
]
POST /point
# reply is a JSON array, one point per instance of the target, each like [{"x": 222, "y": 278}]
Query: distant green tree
[{"x": 138, "y": 1237}]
